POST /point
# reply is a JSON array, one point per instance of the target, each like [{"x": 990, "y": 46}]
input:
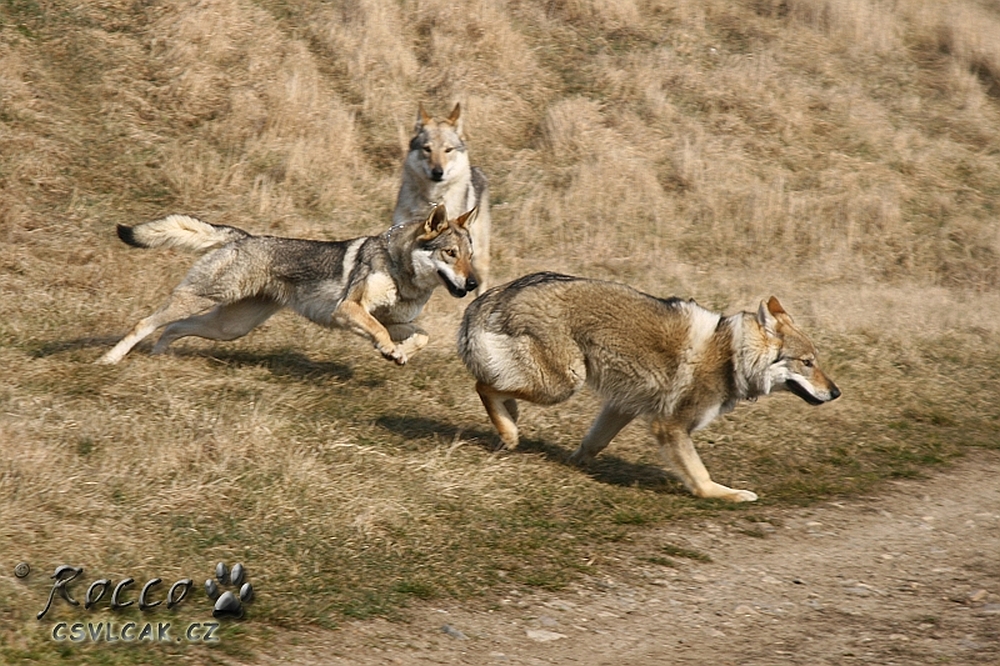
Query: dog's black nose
[
  {"x": 437, "y": 173},
  {"x": 471, "y": 283},
  {"x": 834, "y": 393}
]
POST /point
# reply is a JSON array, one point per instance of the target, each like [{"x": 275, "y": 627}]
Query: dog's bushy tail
[{"x": 180, "y": 231}]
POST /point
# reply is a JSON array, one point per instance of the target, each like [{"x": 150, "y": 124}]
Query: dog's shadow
[
  {"x": 281, "y": 363},
  {"x": 53, "y": 347},
  {"x": 608, "y": 469}
]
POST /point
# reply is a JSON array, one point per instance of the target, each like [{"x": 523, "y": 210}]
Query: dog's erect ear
[
  {"x": 774, "y": 307},
  {"x": 422, "y": 118},
  {"x": 767, "y": 318},
  {"x": 435, "y": 223},
  {"x": 455, "y": 119},
  {"x": 465, "y": 218}
]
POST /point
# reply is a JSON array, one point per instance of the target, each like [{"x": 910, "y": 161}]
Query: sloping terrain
[{"x": 844, "y": 156}]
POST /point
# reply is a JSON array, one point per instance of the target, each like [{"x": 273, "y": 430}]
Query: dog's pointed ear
[
  {"x": 774, "y": 307},
  {"x": 435, "y": 223},
  {"x": 455, "y": 119},
  {"x": 422, "y": 118},
  {"x": 464, "y": 219},
  {"x": 768, "y": 319}
]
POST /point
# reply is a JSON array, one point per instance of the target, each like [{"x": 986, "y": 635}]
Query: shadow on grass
[
  {"x": 417, "y": 427},
  {"x": 283, "y": 363},
  {"x": 58, "y": 346},
  {"x": 606, "y": 469}
]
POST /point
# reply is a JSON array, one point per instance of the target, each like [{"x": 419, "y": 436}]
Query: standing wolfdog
[
  {"x": 541, "y": 337},
  {"x": 374, "y": 286},
  {"x": 437, "y": 171}
]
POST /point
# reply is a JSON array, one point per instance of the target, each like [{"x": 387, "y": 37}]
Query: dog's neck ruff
[{"x": 752, "y": 356}]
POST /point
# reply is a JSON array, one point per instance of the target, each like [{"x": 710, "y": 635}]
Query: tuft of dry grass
[{"x": 841, "y": 155}]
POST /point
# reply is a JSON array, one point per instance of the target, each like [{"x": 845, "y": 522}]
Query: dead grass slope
[{"x": 842, "y": 155}]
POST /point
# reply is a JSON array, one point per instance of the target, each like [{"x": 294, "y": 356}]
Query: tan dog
[{"x": 542, "y": 337}]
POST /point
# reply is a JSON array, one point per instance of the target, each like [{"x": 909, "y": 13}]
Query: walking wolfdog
[
  {"x": 437, "y": 171},
  {"x": 374, "y": 286},
  {"x": 541, "y": 337}
]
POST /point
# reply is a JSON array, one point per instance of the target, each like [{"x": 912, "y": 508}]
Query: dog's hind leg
[
  {"x": 676, "y": 445},
  {"x": 182, "y": 304},
  {"x": 498, "y": 408},
  {"x": 228, "y": 321},
  {"x": 607, "y": 424},
  {"x": 512, "y": 409}
]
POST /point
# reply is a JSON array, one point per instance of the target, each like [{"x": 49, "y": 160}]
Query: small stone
[
  {"x": 454, "y": 633},
  {"x": 544, "y": 636}
]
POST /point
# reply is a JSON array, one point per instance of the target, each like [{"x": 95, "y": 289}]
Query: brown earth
[{"x": 907, "y": 577}]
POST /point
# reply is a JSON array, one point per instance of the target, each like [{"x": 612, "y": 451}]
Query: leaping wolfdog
[
  {"x": 374, "y": 286},
  {"x": 541, "y": 337},
  {"x": 437, "y": 171}
]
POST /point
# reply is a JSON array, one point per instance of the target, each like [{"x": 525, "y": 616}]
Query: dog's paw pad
[{"x": 229, "y": 603}]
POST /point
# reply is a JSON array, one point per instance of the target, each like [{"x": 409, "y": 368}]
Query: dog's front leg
[
  {"x": 354, "y": 316},
  {"x": 677, "y": 447},
  {"x": 408, "y": 337}
]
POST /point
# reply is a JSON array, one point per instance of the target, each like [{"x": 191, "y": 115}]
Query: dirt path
[{"x": 909, "y": 577}]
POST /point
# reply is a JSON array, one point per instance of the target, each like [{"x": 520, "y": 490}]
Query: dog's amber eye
[
  {"x": 451, "y": 252},
  {"x": 427, "y": 149},
  {"x": 808, "y": 362},
  {"x": 449, "y": 149}
]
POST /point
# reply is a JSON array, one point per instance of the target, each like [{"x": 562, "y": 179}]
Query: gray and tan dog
[
  {"x": 374, "y": 286},
  {"x": 541, "y": 337},
  {"x": 437, "y": 171}
]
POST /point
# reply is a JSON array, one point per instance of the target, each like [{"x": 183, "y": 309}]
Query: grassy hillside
[{"x": 844, "y": 156}]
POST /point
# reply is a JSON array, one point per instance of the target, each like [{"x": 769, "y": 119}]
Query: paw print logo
[{"x": 229, "y": 603}]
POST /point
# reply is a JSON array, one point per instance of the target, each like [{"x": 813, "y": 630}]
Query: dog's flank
[
  {"x": 437, "y": 171},
  {"x": 541, "y": 337},
  {"x": 374, "y": 286}
]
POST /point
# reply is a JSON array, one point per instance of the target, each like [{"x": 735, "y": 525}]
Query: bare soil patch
[{"x": 905, "y": 577}]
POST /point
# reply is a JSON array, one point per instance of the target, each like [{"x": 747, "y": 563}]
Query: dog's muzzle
[
  {"x": 801, "y": 391},
  {"x": 455, "y": 290}
]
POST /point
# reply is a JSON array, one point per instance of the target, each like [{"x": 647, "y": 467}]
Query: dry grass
[{"x": 843, "y": 155}]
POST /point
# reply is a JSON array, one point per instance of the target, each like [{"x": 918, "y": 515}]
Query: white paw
[
  {"x": 742, "y": 496},
  {"x": 395, "y": 354},
  {"x": 719, "y": 491}
]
